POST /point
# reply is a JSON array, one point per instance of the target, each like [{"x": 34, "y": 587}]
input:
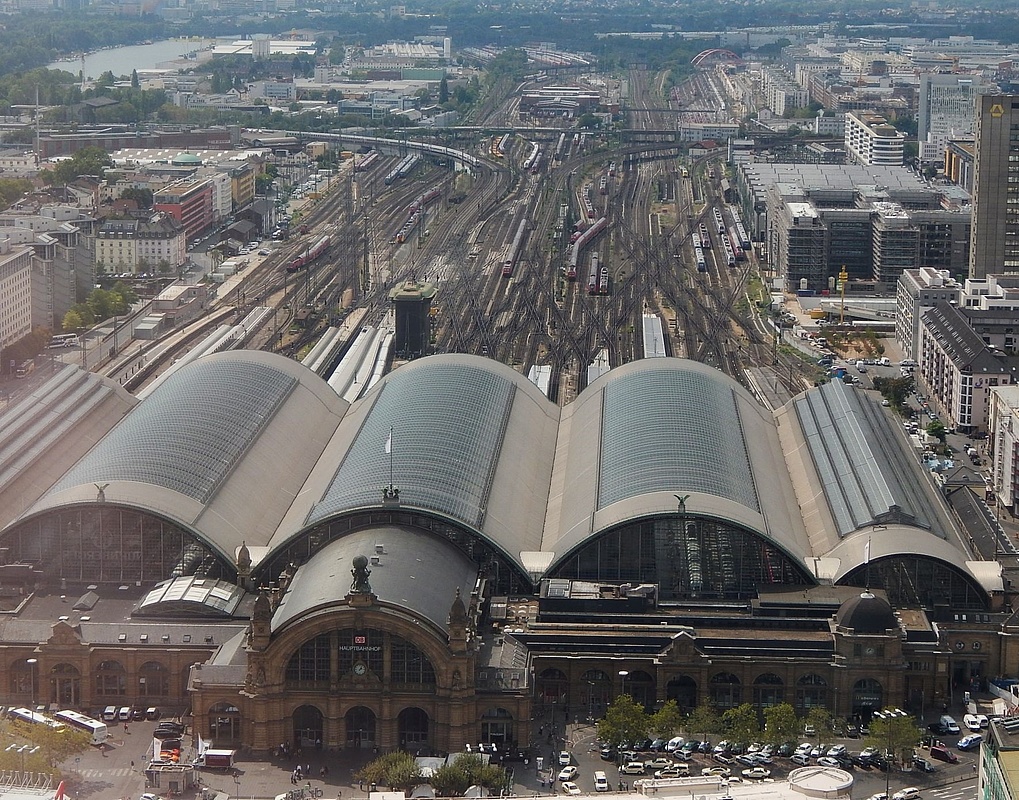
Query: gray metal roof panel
[
  {"x": 189, "y": 435},
  {"x": 436, "y": 434},
  {"x": 415, "y": 570}
]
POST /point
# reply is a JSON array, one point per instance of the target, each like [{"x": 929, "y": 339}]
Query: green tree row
[
  {"x": 399, "y": 771},
  {"x": 101, "y": 304},
  {"x": 626, "y": 722}
]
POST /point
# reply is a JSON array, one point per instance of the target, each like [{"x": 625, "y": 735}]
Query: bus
[
  {"x": 33, "y": 718},
  {"x": 64, "y": 340},
  {"x": 93, "y": 727}
]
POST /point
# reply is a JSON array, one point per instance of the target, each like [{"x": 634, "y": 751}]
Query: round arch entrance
[
  {"x": 65, "y": 685},
  {"x": 682, "y": 689},
  {"x": 497, "y": 727},
  {"x": 307, "y": 726},
  {"x": 360, "y": 724},
  {"x": 413, "y": 727}
]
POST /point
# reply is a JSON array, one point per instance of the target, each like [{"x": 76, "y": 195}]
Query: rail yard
[{"x": 549, "y": 247}]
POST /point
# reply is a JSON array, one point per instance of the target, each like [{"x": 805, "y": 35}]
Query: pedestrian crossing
[
  {"x": 120, "y": 772},
  {"x": 953, "y": 792}
]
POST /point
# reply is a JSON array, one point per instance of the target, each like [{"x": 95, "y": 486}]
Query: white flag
[
  {"x": 866, "y": 551},
  {"x": 389, "y": 442}
]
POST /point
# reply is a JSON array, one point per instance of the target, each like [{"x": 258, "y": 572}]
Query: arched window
[
  {"x": 224, "y": 723},
  {"x": 410, "y": 667},
  {"x": 497, "y": 726},
  {"x": 553, "y": 686},
  {"x": 769, "y": 690},
  {"x": 153, "y": 680},
  {"x": 811, "y": 692},
  {"x": 725, "y": 691},
  {"x": 868, "y": 696},
  {"x": 309, "y": 665},
  {"x": 24, "y": 680},
  {"x": 111, "y": 679},
  {"x": 682, "y": 689}
]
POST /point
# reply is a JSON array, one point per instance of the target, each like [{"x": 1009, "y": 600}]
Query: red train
[{"x": 305, "y": 257}]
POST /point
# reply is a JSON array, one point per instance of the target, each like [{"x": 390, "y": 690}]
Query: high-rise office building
[
  {"x": 947, "y": 110},
  {"x": 994, "y": 247}
]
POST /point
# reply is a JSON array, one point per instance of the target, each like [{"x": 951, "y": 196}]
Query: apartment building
[{"x": 872, "y": 141}]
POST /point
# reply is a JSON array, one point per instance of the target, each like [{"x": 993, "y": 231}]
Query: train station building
[{"x": 433, "y": 564}]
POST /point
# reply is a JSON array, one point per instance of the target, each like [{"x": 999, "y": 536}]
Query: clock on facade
[
  {"x": 360, "y": 668},
  {"x": 870, "y": 651}
]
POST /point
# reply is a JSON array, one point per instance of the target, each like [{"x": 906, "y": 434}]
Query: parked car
[
  {"x": 828, "y": 761},
  {"x": 570, "y": 788},
  {"x": 971, "y": 742},
  {"x": 923, "y": 765},
  {"x": 673, "y": 744},
  {"x": 672, "y": 772},
  {"x": 721, "y": 772},
  {"x": 565, "y": 759},
  {"x": 942, "y": 753},
  {"x": 632, "y": 768},
  {"x": 970, "y": 722},
  {"x": 757, "y": 773},
  {"x": 800, "y": 758},
  {"x": 909, "y": 793},
  {"x": 567, "y": 773}
]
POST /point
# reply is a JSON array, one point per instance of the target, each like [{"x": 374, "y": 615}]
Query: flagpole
[{"x": 390, "y": 449}]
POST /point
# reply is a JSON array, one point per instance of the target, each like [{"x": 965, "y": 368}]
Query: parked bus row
[{"x": 97, "y": 731}]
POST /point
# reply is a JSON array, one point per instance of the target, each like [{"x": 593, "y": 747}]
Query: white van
[
  {"x": 601, "y": 782},
  {"x": 110, "y": 714},
  {"x": 861, "y": 366},
  {"x": 124, "y": 715}
]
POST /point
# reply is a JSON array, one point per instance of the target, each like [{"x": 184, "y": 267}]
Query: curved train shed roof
[{"x": 250, "y": 446}]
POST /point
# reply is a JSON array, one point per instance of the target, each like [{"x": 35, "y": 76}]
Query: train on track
[
  {"x": 403, "y": 169},
  {"x": 578, "y": 245},
  {"x": 515, "y": 247},
  {"x": 308, "y": 255},
  {"x": 367, "y": 161},
  {"x": 414, "y": 213}
]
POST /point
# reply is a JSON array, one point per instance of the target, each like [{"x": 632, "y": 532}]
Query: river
[{"x": 121, "y": 60}]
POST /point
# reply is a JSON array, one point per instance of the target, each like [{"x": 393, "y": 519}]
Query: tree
[
  {"x": 897, "y": 735},
  {"x": 143, "y": 197},
  {"x": 894, "y": 390},
  {"x": 780, "y": 723},
  {"x": 76, "y": 319},
  {"x": 467, "y": 769},
  {"x": 740, "y": 724},
  {"x": 625, "y": 721},
  {"x": 937, "y": 430},
  {"x": 821, "y": 719},
  {"x": 666, "y": 721},
  {"x": 134, "y": 79},
  {"x": 444, "y": 90},
  {"x": 397, "y": 770},
  {"x": 55, "y": 746},
  {"x": 13, "y": 188},
  {"x": 703, "y": 720}
]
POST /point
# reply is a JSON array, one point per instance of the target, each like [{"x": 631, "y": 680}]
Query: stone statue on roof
[{"x": 360, "y": 572}]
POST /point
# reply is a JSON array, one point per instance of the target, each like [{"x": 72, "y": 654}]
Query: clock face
[
  {"x": 870, "y": 651},
  {"x": 360, "y": 669}
]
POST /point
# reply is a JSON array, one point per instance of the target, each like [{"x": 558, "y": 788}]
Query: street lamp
[
  {"x": 23, "y": 749},
  {"x": 622, "y": 675},
  {"x": 31, "y": 677}
]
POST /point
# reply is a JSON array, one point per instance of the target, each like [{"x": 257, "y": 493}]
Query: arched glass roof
[
  {"x": 435, "y": 433},
  {"x": 189, "y": 435},
  {"x": 670, "y": 428}
]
